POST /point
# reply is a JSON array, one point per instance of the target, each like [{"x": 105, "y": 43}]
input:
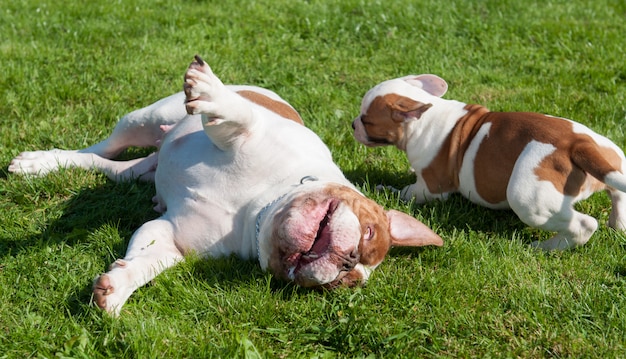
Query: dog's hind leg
[
  {"x": 151, "y": 250},
  {"x": 617, "y": 218},
  {"x": 140, "y": 128},
  {"x": 42, "y": 162},
  {"x": 542, "y": 206},
  {"x": 573, "y": 229}
]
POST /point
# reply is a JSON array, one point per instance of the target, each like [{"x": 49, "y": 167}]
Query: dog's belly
[
  {"x": 212, "y": 197},
  {"x": 204, "y": 192}
]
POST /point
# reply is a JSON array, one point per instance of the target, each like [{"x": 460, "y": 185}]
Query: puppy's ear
[
  {"x": 405, "y": 108},
  {"x": 407, "y": 231},
  {"x": 432, "y": 84}
]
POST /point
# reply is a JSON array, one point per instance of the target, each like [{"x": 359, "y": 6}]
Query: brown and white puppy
[
  {"x": 535, "y": 164},
  {"x": 237, "y": 173}
]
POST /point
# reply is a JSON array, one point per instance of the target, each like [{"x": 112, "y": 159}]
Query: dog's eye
[{"x": 368, "y": 233}]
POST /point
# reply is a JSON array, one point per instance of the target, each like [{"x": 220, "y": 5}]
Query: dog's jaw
[
  {"x": 329, "y": 235},
  {"x": 311, "y": 238}
]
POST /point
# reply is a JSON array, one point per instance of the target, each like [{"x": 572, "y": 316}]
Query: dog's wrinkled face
[
  {"x": 386, "y": 108},
  {"x": 334, "y": 236}
]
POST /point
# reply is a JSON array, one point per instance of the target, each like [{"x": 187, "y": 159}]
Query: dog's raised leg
[
  {"x": 226, "y": 116},
  {"x": 151, "y": 250}
]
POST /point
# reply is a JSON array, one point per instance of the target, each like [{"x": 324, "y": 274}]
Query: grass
[{"x": 70, "y": 69}]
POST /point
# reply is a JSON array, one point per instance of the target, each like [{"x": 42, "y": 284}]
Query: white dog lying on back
[
  {"x": 240, "y": 175},
  {"x": 537, "y": 165}
]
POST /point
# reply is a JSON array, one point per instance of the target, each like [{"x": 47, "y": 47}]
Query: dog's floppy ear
[
  {"x": 404, "y": 108},
  {"x": 432, "y": 84},
  {"x": 407, "y": 231}
]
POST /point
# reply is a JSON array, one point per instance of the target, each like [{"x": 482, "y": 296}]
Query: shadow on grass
[
  {"x": 125, "y": 207},
  {"x": 455, "y": 213},
  {"x": 233, "y": 270}
]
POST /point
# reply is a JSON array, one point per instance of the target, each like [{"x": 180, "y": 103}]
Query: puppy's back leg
[
  {"x": 542, "y": 206},
  {"x": 151, "y": 250},
  {"x": 573, "y": 229},
  {"x": 617, "y": 218},
  {"x": 539, "y": 204}
]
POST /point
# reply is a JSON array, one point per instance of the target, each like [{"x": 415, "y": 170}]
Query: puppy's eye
[{"x": 368, "y": 233}]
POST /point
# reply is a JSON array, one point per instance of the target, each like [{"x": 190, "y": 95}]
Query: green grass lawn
[{"x": 70, "y": 69}]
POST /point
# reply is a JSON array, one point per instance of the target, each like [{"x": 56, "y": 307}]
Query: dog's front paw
[
  {"x": 103, "y": 297},
  {"x": 38, "y": 163},
  {"x": 109, "y": 296},
  {"x": 201, "y": 87},
  {"x": 108, "y": 293},
  {"x": 102, "y": 288}
]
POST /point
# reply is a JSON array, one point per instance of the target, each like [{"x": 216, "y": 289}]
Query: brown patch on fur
[
  {"x": 568, "y": 168},
  {"x": 370, "y": 214},
  {"x": 576, "y": 155},
  {"x": 442, "y": 174},
  {"x": 580, "y": 166},
  {"x": 278, "y": 107},
  {"x": 384, "y": 120}
]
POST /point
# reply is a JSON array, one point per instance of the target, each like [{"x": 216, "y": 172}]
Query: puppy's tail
[{"x": 605, "y": 165}]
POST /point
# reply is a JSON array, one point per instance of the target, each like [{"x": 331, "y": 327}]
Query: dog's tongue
[{"x": 322, "y": 240}]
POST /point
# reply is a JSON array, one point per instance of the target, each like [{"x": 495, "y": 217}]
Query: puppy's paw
[{"x": 38, "y": 163}]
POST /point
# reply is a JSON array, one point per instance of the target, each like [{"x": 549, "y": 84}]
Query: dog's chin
[
  {"x": 318, "y": 242},
  {"x": 373, "y": 141},
  {"x": 362, "y": 136}
]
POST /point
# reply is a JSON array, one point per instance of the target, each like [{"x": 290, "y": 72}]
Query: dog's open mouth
[{"x": 321, "y": 243}]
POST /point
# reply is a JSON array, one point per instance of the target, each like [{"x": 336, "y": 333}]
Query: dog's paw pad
[
  {"x": 166, "y": 128},
  {"x": 200, "y": 86},
  {"x": 102, "y": 287},
  {"x": 192, "y": 107}
]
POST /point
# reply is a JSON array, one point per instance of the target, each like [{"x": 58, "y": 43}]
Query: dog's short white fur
[
  {"x": 236, "y": 173},
  {"x": 537, "y": 165}
]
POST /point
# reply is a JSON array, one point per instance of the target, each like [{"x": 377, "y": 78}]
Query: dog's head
[
  {"x": 389, "y": 106},
  {"x": 329, "y": 235}
]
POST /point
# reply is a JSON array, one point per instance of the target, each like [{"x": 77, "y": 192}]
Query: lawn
[{"x": 70, "y": 69}]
